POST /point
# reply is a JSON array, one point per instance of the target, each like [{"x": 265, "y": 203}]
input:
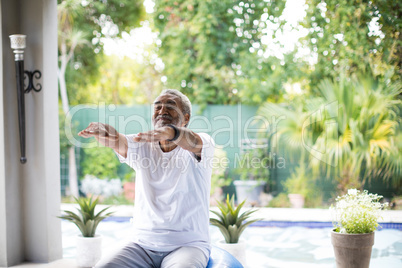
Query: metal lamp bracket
[
  {"x": 18, "y": 45},
  {"x": 31, "y": 75}
]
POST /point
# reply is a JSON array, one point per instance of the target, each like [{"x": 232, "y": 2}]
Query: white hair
[{"x": 185, "y": 102}]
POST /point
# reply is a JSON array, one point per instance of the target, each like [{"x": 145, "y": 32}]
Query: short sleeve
[
  {"x": 208, "y": 147},
  {"x": 132, "y": 150}
]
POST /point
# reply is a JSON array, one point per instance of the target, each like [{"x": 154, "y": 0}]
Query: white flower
[
  {"x": 106, "y": 188},
  {"x": 352, "y": 192},
  {"x": 357, "y": 212}
]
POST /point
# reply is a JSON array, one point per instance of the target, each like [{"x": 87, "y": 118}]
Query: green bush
[
  {"x": 302, "y": 181},
  {"x": 219, "y": 170},
  {"x": 280, "y": 201},
  {"x": 100, "y": 162},
  {"x": 254, "y": 165}
]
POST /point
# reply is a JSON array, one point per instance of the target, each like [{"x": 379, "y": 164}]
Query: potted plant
[
  {"x": 232, "y": 224},
  {"x": 254, "y": 175},
  {"x": 356, "y": 218},
  {"x": 298, "y": 187},
  {"x": 219, "y": 176},
  {"x": 88, "y": 243}
]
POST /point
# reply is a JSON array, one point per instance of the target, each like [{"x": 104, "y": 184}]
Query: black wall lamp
[{"x": 18, "y": 45}]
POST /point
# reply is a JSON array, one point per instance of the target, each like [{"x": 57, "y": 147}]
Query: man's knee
[
  {"x": 131, "y": 255},
  {"x": 185, "y": 257}
]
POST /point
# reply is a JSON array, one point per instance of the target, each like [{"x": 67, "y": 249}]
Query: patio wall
[{"x": 29, "y": 193}]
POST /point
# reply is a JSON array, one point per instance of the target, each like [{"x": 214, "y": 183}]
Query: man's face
[{"x": 168, "y": 110}]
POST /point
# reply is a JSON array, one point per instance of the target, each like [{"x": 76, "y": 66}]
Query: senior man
[{"x": 173, "y": 180}]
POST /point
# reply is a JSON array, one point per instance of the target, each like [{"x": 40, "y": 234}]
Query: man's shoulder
[
  {"x": 207, "y": 140},
  {"x": 205, "y": 136}
]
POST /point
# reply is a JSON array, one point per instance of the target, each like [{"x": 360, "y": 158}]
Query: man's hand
[
  {"x": 103, "y": 133},
  {"x": 188, "y": 140},
  {"x": 159, "y": 134},
  {"x": 107, "y": 136}
]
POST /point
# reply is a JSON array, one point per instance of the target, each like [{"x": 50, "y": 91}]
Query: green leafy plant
[
  {"x": 219, "y": 170},
  {"x": 255, "y": 165},
  {"x": 348, "y": 133},
  {"x": 100, "y": 162},
  {"x": 396, "y": 202},
  {"x": 229, "y": 222},
  {"x": 86, "y": 220},
  {"x": 299, "y": 182},
  {"x": 280, "y": 201},
  {"x": 357, "y": 212}
]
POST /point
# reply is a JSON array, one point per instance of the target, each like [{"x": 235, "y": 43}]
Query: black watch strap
[{"x": 176, "y": 132}]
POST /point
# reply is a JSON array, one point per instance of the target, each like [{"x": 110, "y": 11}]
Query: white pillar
[{"x": 30, "y": 193}]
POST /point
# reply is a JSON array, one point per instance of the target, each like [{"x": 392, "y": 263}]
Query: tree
[
  {"x": 349, "y": 133},
  {"x": 100, "y": 162},
  {"x": 82, "y": 27},
  {"x": 125, "y": 81},
  {"x": 363, "y": 142},
  {"x": 101, "y": 18},
  {"x": 354, "y": 36},
  {"x": 207, "y": 46}
]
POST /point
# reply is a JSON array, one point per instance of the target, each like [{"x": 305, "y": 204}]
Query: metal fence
[{"x": 230, "y": 126}]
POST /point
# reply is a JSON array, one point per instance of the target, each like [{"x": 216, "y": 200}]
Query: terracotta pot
[
  {"x": 352, "y": 250},
  {"x": 129, "y": 190},
  {"x": 89, "y": 250},
  {"x": 238, "y": 250},
  {"x": 297, "y": 200}
]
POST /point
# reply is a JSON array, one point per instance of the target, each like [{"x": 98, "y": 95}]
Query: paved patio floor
[{"x": 266, "y": 246}]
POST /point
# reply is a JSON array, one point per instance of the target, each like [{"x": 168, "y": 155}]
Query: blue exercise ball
[{"x": 220, "y": 258}]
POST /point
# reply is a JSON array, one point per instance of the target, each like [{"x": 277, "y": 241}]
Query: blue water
[{"x": 284, "y": 224}]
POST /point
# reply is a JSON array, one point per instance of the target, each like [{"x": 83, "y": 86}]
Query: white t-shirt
[{"x": 172, "y": 192}]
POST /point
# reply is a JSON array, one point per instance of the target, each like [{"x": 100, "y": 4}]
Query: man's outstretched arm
[
  {"x": 187, "y": 139},
  {"x": 107, "y": 136}
]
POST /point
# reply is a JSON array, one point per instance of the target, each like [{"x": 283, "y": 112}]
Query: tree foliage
[
  {"x": 349, "y": 133},
  {"x": 354, "y": 37},
  {"x": 208, "y": 48},
  {"x": 216, "y": 52},
  {"x": 93, "y": 20},
  {"x": 124, "y": 81},
  {"x": 213, "y": 50},
  {"x": 100, "y": 162}
]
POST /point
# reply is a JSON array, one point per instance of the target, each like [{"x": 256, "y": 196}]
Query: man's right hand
[{"x": 107, "y": 136}]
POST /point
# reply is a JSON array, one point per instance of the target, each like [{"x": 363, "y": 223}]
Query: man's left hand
[{"x": 159, "y": 134}]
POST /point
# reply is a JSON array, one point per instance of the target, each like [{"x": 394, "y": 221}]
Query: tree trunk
[
  {"x": 72, "y": 166},
  {"x": 72, "y": 173}
]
